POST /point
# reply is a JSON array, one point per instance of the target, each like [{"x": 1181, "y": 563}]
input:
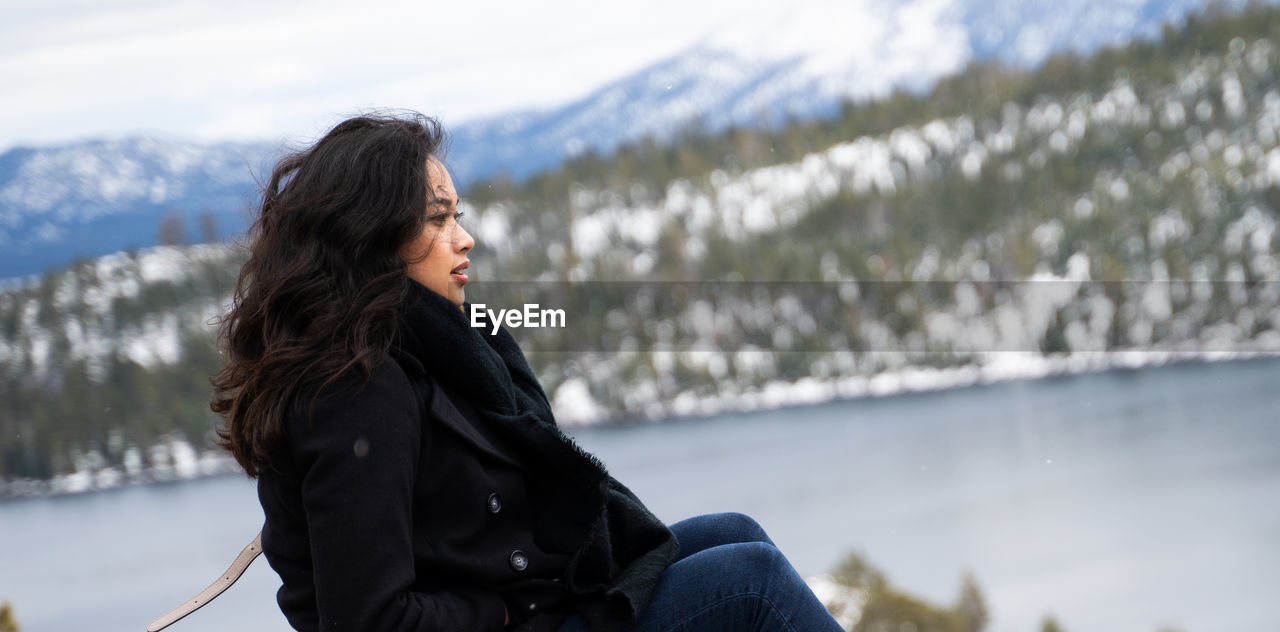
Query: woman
[{"x": 409, "y": 465}]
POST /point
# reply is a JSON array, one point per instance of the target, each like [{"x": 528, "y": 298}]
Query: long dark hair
[{"x": 319, "y": 292}]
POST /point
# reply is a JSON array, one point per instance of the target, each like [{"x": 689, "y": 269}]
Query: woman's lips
[{"x": 458, "y": 274}]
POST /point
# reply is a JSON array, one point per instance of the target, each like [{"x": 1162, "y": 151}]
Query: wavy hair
[{"x": 318, "y": 295}]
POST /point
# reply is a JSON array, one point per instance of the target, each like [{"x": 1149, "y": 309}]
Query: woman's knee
[
  {"x": 705, "y": 531},
  {"x": 749, "y": 561},
  {"x": 759, "y": 557},
  {"x": 743, "y": 525}
]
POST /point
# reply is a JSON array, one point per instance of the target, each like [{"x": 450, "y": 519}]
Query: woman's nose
[{"x": 462, "y": 239}]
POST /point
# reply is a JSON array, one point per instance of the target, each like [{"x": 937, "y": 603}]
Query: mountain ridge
[{"x": 52, "y": 209}]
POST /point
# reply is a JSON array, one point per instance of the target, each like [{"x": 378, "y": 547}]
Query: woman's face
[{"x": 438, "y": 257}]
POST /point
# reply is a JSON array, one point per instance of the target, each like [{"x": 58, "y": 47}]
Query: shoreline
[
  {"x": 1000, "y": 367},
  {"x": 188, "y": 464},
  {"x": 195, "y": 466}
]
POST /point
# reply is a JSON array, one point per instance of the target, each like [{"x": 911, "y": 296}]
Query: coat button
[
  {"x": 518, "y": 560},
  {"x": 495, "y": 503}
]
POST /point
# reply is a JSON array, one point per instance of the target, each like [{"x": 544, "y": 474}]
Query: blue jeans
[{"x": 730, "y": 577}]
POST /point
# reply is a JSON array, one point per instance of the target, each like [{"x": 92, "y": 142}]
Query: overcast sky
[{"x": 240, "y": 69}]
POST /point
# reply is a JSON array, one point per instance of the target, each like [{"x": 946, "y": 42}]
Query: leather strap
[{"x": 218, "y": 587}]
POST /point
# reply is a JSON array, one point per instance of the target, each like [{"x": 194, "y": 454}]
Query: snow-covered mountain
[
  {"x": 767, "y": 68},
  {"x": 1024, "y": 32},
  {"x": 97, "y": 197}
]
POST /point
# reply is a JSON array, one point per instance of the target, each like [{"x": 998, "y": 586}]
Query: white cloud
[{"x": 240, "y": 69}]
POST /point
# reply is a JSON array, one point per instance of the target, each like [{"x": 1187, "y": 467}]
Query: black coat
[{"x": 396, "y": 507}]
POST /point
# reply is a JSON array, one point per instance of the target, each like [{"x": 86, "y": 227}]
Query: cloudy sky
[{"x": 236, "y": 69}]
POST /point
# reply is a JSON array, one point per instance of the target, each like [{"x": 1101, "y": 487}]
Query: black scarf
[{"x": 618, "y": 548}]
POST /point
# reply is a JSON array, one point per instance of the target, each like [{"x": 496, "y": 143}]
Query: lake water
[{"x": 1116, "y": 501}]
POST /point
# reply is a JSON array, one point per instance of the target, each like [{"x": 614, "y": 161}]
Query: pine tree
[{"x": 8, "y": 623}]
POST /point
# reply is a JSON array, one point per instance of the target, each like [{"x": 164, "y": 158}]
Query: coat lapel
[{"x": 443, "y": 410}]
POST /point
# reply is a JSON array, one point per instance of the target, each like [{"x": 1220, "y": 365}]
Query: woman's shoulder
[
  {"x": 356, "y": 401},
  {"x": 386, "y": 376}
]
